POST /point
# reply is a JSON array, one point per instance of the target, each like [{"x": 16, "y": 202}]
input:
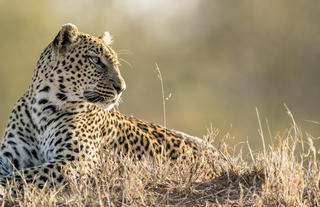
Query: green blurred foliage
[{"x": 219, "y": 59}]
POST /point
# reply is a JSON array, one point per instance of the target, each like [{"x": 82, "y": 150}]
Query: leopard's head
[{"x": 85, "y": 68}]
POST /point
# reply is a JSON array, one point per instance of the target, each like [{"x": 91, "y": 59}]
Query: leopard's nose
[
  {"x": 118, "y": 83},
  {"x": 119, "y": 87}
]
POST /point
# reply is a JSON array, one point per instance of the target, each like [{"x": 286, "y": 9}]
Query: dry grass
[{"x": 274, "y": 178}]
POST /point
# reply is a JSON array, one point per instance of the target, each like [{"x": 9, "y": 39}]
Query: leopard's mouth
[
  {"x": 93, "y": 96},
  {"x": 101, "y": 98}
]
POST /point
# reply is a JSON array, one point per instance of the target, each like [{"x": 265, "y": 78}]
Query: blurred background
[{"x": 219, "y": 59}]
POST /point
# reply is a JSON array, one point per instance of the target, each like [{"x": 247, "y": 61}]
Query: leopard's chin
[
  {"x": 108, "y": 105},
  {"x": 105, "y": 106}
]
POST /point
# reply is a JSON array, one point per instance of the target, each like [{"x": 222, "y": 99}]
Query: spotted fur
[{"x": 67, "y": 114}]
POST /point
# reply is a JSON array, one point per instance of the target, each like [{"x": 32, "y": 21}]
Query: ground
[{"x": 273, "y": 178}]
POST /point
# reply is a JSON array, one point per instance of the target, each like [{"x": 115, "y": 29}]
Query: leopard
[{"x": 69, "y": 112}]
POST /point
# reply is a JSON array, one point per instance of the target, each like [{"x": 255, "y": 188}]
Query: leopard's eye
[{"x": 95, "y": 60}]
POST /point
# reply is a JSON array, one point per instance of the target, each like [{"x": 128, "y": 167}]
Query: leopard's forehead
[{"x": 98, "y": 46}]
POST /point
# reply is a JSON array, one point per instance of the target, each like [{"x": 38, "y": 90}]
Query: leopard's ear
[
  {"x": 66, "y": 38},
  {"x": 106, "y": 37}
]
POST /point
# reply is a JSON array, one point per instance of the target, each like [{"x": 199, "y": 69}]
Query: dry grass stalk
[{"x": 272, "y": 179}]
